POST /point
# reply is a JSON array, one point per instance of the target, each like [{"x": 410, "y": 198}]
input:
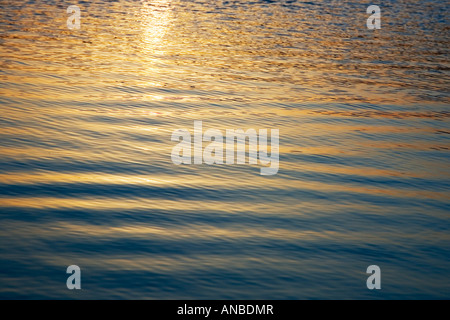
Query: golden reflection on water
[
  {"x": 156, "y": 18},
  {"x": 363, "y": 118}
]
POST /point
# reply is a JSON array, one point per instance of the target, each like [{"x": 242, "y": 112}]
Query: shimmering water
[{"x": 86, "y": 176}]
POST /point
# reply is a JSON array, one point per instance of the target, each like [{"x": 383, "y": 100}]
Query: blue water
[{"x": 86, "y": 176}]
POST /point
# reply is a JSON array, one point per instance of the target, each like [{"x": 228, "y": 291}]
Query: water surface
[{"x": 86, "y": 176}]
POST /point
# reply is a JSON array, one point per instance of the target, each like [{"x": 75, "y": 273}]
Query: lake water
[{"x": 86, "y": 176}]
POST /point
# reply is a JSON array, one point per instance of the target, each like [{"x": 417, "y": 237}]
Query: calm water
[{"x": 86, "y": 176}]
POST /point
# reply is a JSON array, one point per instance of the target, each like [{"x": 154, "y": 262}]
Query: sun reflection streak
[{"x": 156, "y": 17}]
